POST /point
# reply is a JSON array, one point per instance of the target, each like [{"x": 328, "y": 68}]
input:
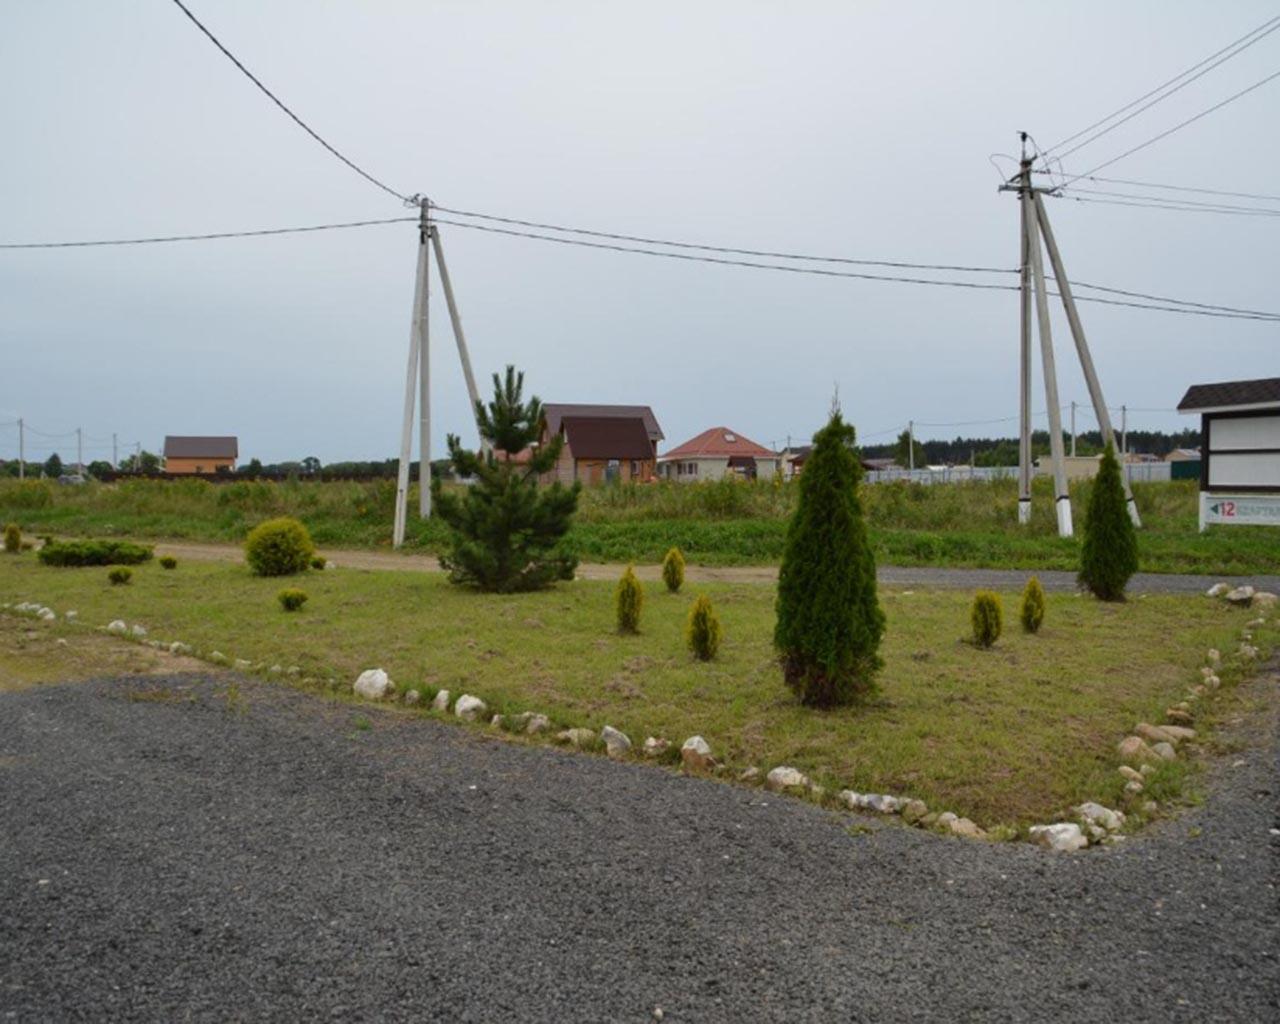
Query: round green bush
[
  {"x": 279, "y": 547},
  {"x": 629, "y": 599},
  {"x": 120, "y": 576},
  {"x": 12, "y": 539},
  {"x": 987, "y": 618},
  {"x": 703, "y": 632},
  {"x": 168, "y": 562},
  {"x": 1032, "y": 611},
  {"x": 673, "y": 570},
  {"x": 319, "y": 562},
  {"x": 291, "y": 598}
]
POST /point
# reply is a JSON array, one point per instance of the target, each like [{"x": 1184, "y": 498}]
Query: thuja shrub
[
  {"x": 628, "y": 601},
  {"x": 13, "y": 539},
  {"x": 673, "y": 570},
  {"x": 168, "y": 562},
  {"x": 319, "y": 562},
  {"x": 987, "y": 618},
  {"x": 279, "y": 547},
  {"x": 829, "y": 618},
  {"x": 119, "y": 576},
  {"x": 703, "y": 632},
  {"x": 291, "y": 598},
  {"x": 1031, "y": 611},
  {"x": 64, "y": 553},
  {"x": 1109, "y": 555}
]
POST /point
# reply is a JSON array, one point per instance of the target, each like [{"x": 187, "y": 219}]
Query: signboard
[{"x": 1242, "y": 509}]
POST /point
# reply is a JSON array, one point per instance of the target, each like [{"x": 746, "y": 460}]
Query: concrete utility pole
[
  {"x": 22, "y": 450},
  {"x": 417, "y": 383},
  {"x": 1024, "y": 374},
  {"x": 114, "y": 462},
  {"x": 79, "y": 451},
  {"x": 1073, "y": 429},
  {"x": 911, "y": 445},
  {"x": 1124, "y": 430}
]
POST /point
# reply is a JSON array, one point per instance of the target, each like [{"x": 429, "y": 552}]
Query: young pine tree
[
  {"x": 702, "y": 630},
  {"x": 1031, "y": 611},
  {"x": 506, "y": 532},
  {"x": 829, "y": 619},
  {"x": 673, "y": 570},
  {"x": 628, "y": 602},
  {"x": 986, "y": 617},
  {"x": 1109, "y": 555}
]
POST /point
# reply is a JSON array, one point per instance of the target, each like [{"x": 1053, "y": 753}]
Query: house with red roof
[{"x": 715, "y": 454}]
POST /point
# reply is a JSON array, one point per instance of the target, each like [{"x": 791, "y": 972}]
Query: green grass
[
  {"x": 1010, "y": 735},
  {"x": 725, "y": 523}
]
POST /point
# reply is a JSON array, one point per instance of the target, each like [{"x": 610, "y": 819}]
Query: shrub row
[{"x": 93, "y": 552}]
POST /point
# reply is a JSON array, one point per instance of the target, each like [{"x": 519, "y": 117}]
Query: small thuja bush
[
  {"x": 673, "y": 570},
  {"x": 829, "y": 619},
  {"x": 628, "y": 600},
  {"x": 1109, "y": 555},
  {"x": 291, "y": 598},
  {"x": 119, "y": 576},
  {"x": 1032, "y": 610},
  {"x": 168, "y": 562},
  {"x": 986, "y": 617},
  {"x": 12, "y": 539},
  {"x": 702, "y": 632},
  {"x": 279, "y": 547},
  {"x": 93, "y": 552},
  {"x": 318, "y": 562}
]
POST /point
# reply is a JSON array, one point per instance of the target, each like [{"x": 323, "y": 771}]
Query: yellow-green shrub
[
  {"x": 629, "y": 600},
  {"x": 703, "y": 632},
  {"x": 12, "y": 539},
  {"x": 1032, "y": 610},
  {"x": 673, "y": 570},
  {"x": 120, "y": 576},
  {"x": 291, "y": 598},
  {"x": 987, "y": 618},
  {"x": 279, "y": 547}
]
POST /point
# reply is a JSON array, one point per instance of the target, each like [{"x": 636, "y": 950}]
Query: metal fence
[{"x": 1136, "y": 472}]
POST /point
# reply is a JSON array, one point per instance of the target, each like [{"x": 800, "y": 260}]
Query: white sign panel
[{"x": 1242, "y": 509}]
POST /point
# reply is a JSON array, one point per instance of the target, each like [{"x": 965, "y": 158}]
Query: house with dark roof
[
  {"x": 717, "y": 453},
  {"x": 191, "y": 454},
  {"x": 602, "y": 443}
]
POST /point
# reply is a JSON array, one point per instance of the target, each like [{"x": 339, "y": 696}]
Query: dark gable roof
[
  {"x": 607, "y": 437},
  {"x": 201, "y": 447},
  {"x": 1232, "y": 392},
  {"x": 555, "y": 412}
]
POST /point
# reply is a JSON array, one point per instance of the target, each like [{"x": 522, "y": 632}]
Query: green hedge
[{"x": 93, "y": 552}]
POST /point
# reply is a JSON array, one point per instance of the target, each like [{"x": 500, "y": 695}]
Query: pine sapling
[
  {"x": 987, "y": 618},
  {"x": 703, "y": 631},
  {"x": 673, "y": 570},
  {"x": 1031, "y": 612},
  {"x": 629, "y": 600},
  {"x": 1109, "y": 555}
]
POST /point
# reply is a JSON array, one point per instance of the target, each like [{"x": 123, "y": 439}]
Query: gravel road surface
[
  {"x": 888, "y": 575},
  {"x": 280, "y": 857}
]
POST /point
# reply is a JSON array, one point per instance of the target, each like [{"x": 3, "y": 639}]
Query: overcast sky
[{"x": 847, "y": 129}]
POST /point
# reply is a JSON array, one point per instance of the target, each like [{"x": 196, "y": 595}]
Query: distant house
[
  {"x": 602, "y": 443},
  {"x": 200, "y": 454},
  {"x": 715, "y": 454},
  {"x": 1183, "y": 455},
  {"x": 793, "y": 460}
]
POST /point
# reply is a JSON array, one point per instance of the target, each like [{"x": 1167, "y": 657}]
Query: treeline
[{"x": 1003, "y": 451}]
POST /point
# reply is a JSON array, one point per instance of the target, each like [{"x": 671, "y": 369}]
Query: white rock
[
  {"x": 441, "y": 701},
  {"x": 138, "y": 631},
  {"x": 372, "y": 684},
  {"x": 1165, "y": 750},
  {"x": 536, "y": 724},
  {"x": 1241, "y": 596},
  {"x": 914, "y": 810},
  {"x": 217, "y": 657},
  {"x": 749, "y": 774},
  {"x": 1214, "y": 657},
  {"x": 48, "y": 614},
  {"x": 470, "y": 707},
  {"x": 293, "y": 670},
  {"x": 616, "y": 742},
  {"x": 241, "y": 665},
  {"x": 1133, "y": 787},
  {"x": 695, "y": 752},
  {"x": 117, "y": 627},
  {"x": 275, "y": 670},
  {"x": 1248, "y": 651},
  {"x": 1129, "y": 773},
  {"x": 72, "y": 615},
  {"x": 1218, "y": 589},
  {"x": 1096, "y": 814},
  {"x": 411, "y": 697},
  {"x": 498, "y": 721},
  {"x": 1178, "y": 733},
  {"x": 1251, "y": 624},
  {"x": 966, "y": 828},
  {"x": 1064, "y": 836},
  {"x": 61, "y": 642},
  {"x": 1265, "y": 599},
  {"x": 785, "y": 777},
  {"x": 576, "y": 737},
  {"x": 653, "y": 746},
  {"x": 330, "y": 565},
  {"x": 883, "y": 803}
]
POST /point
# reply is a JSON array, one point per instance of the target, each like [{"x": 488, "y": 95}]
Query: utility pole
[
  {"x": 114, "y": 461},
  {"x": 1073, "y": 429},
  {"x": 411, "y": 373},
  {"x": 1024, "y": 367},
  {"x": 79, "y": 451},
  {"x": 22, "y": 450},
  {"x": 1124, "y": 430},
  {"x": 911, "y": 445},
  {"x": 456, "y": 320}
]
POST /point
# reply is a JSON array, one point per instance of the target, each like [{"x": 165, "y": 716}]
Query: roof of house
[
  {"x": 1231, "y": 393},
  {"x": 176, "y": 447},
  {"x": 555, "y": 412},
  {"x": 719, "y": 443},
  {"x": 607, "y": 437}
]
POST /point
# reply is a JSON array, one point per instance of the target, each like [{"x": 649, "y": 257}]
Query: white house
[{"x": 715, "y": 454}]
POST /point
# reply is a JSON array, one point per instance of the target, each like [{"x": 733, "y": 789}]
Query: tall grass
[{"x": 728, "y": 522}]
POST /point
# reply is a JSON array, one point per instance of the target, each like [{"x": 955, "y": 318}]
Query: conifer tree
[
  {"x": 506, "y": 532},
  {"x": 829, "y": 619},
  {"x": 1110, "y": 552}
]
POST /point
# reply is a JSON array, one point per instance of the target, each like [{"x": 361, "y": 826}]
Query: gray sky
[{"x": 851, "y": 129}]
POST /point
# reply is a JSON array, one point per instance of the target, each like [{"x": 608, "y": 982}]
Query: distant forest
[{"x": 1003, "y": 451}]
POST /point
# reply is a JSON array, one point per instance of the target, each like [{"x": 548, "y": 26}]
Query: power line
[
  {"x": 1175, "y": 201},
  {"x": 1180, "y": 125},
  {"x": 900, "y": 264},
  {"x": 206, "y": 237},
  {"x": 294, "y": 117},
  {"x": 1257, "y": 34},
  {"x": 1156, "y": 205},
  {"x": 1171, "y": 188},
  {"x": 1165, "y": 298},
  {"x": 982, "y": 286}
]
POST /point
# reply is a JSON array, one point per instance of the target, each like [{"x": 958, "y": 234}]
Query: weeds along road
[
  {"x": 175, "y": 850},
  {"x": 895, "y": 576}
]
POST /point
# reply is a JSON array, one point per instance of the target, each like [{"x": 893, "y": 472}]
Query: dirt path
[{"x": 895, "y": 576}]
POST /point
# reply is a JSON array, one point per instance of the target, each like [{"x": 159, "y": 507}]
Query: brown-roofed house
[
  {"x": 603, "y": 442},
  {"x": 200, "y": 454},
  {"x": 717, "y": 453}
]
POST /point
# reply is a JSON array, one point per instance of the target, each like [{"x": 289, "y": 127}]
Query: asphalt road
[
  {"x": 269, "y": 858},
  {"x": 888, "y": 575}
]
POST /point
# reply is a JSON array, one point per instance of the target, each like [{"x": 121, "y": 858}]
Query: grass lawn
[{"x": 1007, "y": 736}]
